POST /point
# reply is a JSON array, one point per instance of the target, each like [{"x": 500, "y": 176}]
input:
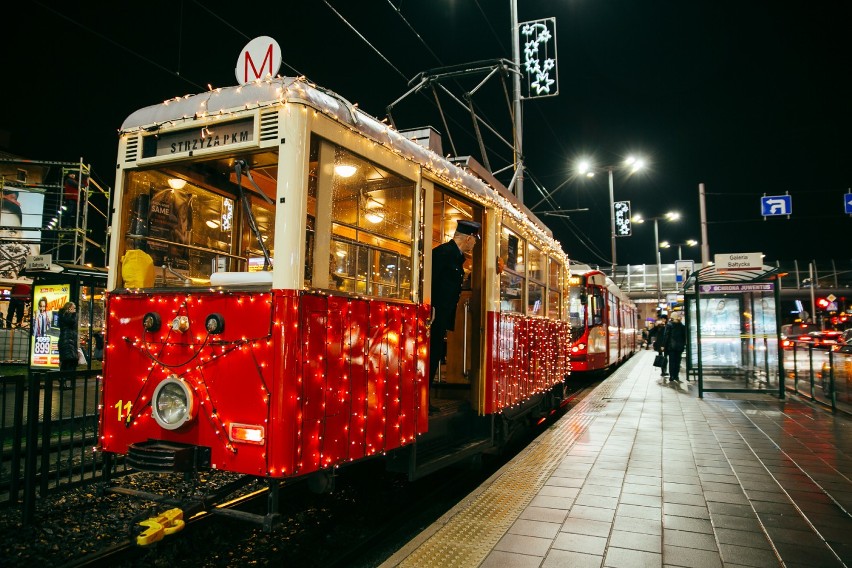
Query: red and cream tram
[
  {"x": 284, "y": 331},
  {"x": 603, "y": 321}
]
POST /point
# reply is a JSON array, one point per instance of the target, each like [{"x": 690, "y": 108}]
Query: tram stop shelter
[
  {"x": 53, "y": 285},
  {"x": 734, "y": 330}
]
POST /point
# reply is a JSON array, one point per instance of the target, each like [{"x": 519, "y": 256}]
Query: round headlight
[
  {"x": 173, "y": 404},
  {"x": 215, "y": 324},
  {"x": 151, "y": 321}
]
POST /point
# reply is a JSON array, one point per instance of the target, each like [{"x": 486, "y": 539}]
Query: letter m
[{"x": 249, "y": 62}]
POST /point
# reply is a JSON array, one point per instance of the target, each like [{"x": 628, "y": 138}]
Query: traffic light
[{"x": 822, "y": 303}]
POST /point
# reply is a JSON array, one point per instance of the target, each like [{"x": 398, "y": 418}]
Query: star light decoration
[{"x": 536, "y": 63}]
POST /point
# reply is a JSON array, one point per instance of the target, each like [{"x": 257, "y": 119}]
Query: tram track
[{"x": 366, "y": 519}]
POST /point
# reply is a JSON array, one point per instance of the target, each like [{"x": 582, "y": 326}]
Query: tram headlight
[
  {"x": 151, "y": 321},
  {"x": 173, "y": 404},
  {"x": 215, "y": 324}
]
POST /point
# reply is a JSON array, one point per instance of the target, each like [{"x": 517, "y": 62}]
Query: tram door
[{"x": 460, "y": 366}]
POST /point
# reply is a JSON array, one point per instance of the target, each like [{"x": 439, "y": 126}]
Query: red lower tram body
[{"x": 293, "y": 382}]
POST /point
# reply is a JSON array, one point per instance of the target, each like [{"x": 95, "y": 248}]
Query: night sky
[{"x": 749, "y": 98}]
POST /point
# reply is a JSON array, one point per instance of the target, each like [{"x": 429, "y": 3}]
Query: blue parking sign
[
  {"x": 772, "y": 205},
  {"x": 847, "y": 203}
]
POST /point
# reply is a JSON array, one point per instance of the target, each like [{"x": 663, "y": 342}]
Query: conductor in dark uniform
[{"x": 447, "y": 278}]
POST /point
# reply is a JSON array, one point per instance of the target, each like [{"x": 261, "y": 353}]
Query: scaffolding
[
  {"x": 64, "y": 211},
  {"x": 46, "y": 208}
]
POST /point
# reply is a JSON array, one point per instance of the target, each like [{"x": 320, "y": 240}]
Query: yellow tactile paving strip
[{"x": 474, "y": 529}]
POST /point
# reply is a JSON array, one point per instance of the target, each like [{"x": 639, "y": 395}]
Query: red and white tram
[
  {"x": 285, "y": 329},
  {"x": 603, "y": 321}
]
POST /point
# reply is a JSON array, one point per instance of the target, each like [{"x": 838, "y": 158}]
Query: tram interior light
[
  {"x": 177, "y": 183},
  {"x": 345, "y": 170}
]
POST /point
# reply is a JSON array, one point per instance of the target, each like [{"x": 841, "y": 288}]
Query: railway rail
[{"x": 370, "y": 514}]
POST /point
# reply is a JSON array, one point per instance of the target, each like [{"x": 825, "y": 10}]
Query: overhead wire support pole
[{"x": 516, "y": 83}]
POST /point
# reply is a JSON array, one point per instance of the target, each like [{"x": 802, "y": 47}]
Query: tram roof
[{"x": 280, "y": 90}]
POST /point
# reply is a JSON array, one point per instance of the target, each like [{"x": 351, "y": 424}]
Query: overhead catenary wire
[
  {"x": 177, "y": 72},
  {"x": 119, "y": 45}
]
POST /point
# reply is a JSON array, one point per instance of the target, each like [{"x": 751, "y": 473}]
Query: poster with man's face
[
  {"x": 44, "y": 348},
  {"x": 19, "y": 210}
]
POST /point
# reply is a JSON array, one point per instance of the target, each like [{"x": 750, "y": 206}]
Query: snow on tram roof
[{"x": 280, "y": 90}]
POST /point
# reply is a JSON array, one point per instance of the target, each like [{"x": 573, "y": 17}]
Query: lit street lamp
[
  {"x": 670, "y": 216},
  {"x": 688, "y": 243},
  {"x": 633, "y": 165}
]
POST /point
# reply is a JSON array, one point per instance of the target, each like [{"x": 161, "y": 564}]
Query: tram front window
[
  {"x": 577, "y": 311},
  {"x": 190, "y": 220}
]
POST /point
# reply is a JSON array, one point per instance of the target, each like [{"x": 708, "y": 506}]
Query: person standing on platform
[
  {"x": 68, "y": 356},
  {"x": 674, "y": 343},
  {"x": 447, "y": 279},
  {"x": 659, "y": 332}
]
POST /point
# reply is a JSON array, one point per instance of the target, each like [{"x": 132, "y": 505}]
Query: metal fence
[
  {"x": 49, "y": 429},
  {"x": 821, "y": 375}
]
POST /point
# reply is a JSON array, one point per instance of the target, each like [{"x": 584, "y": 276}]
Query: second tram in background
[{"x": 603, "y": 321}]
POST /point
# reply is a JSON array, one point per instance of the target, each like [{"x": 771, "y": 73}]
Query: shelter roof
[{"x": 709, "y": 275}]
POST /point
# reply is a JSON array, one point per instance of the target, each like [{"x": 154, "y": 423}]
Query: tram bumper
[{"x": 157, "y": 456}]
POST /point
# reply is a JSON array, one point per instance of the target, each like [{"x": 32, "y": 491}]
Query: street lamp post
[
  {"x": 585, "y": 168},
  {"x": 670, "y": 216},
  {"x": 516, "y": 102},
  {"x": 659, "y": 261},
  {"x": 612, "y": 221},
  {"x": 688, "y": 243}
]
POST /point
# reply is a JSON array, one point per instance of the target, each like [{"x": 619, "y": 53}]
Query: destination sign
[
  {"x": 205, "y": 139},
  {"x": 758, "y": 287}
]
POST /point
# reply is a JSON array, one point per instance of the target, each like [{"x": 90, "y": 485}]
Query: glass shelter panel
[{"x": 733, "y": 341}]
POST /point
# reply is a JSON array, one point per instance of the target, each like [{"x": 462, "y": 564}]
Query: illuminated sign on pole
[
  {"x": 623, "y": 225},
  {"x": 538, "y": 65}
]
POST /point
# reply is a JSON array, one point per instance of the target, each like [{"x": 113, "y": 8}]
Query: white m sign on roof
[{"x": 261, "y": 57}]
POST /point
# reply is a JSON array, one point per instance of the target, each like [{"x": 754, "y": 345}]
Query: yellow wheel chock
[{"x": 162, "y": 525}]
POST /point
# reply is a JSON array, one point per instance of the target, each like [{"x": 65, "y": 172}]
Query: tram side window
[
  {"x": 536, "y": 263},
  {"x": 310, "y": 221},
  {"x": 371, "y": 229},
  {"x": 189, "y": 220},
  {"x": 554, "y": 289},
  {"x": 513, "y": 277}
]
